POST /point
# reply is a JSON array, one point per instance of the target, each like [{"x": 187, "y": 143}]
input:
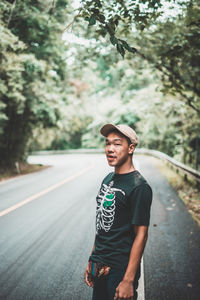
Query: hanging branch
[
  {"x": 74, "y": 19},
  {"x": 51, "y": 10},
  {"x": 11, "y": 12},
  {"x": 53, "y": 5}
]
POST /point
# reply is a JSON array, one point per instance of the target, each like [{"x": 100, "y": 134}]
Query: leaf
[
  {"x": 92, "y": 21},
  {"x": 95, "y": 11},
  {"x": 111, "y": 28},
  {"x": 101, "y": 17},
  {"x": 98, "y": 3},
  {"x": 120, "y": 49},
  {"x": 127, "y": 47},
  {"x": 113, "y": 40}
]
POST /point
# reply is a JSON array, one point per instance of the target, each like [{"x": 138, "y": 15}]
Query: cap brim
[{"x": 107, "y": 128}]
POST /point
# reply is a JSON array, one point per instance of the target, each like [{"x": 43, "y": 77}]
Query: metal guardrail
[
  {"x": 179, "y": 166},
  {"x": 69, "y": 151}
]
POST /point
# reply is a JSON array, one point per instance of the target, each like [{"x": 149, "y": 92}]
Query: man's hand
[
  {"x": 124, "y": 291},
  {"x": 88, "y": 278}
]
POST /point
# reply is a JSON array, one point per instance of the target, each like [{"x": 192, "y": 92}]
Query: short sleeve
[{"x": 141, "y": 199}]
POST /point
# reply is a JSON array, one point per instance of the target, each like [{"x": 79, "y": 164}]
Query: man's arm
[
  {"x": 125, "y": 288},
  {"x": 88, "y": 271}
]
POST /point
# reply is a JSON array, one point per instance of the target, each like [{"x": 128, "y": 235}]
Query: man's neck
[{"x": 124, "y": 169}]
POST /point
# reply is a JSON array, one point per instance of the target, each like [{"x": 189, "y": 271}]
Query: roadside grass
[
  {"x": 23, "y": 168},
  {"x": 187, "y": 190}
]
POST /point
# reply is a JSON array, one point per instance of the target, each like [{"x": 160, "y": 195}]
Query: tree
[
  {"x": 33, "y": 74},
  {"x": 173, "y": 49},
  {"x": 171, "y": 45}
]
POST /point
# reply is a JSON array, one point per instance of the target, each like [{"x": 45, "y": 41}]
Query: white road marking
[
  {"x": 44, "y": 192},
  {"x": 141, "y": 295}
]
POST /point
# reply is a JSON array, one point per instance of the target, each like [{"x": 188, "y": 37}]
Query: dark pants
[{"x": 104, "y": 287}]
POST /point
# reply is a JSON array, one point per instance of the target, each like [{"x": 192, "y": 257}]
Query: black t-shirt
[{"x": 123, "y": 200}]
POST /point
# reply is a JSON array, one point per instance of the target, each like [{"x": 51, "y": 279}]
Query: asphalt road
[{"x": 45, "y": 241}]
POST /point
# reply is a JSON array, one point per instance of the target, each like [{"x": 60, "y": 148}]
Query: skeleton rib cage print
[{"x": 106, "y": 207}]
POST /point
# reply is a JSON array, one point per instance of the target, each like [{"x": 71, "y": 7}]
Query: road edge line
[
  {"x": 141, "y": 293},
  {"x": 44, "y": 192}
]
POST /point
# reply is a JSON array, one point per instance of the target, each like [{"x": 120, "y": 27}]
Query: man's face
[{"x": 117, "y": 149}]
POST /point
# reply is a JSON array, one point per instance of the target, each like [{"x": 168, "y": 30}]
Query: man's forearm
[
  {"x": 135, "y": 257},
  {"x": 93, "y": 248}
]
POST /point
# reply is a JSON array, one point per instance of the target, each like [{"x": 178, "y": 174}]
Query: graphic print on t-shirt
[{"x": 106, "y": 207}]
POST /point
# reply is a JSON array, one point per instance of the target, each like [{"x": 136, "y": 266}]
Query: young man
[{"x": 122, "y": 220}]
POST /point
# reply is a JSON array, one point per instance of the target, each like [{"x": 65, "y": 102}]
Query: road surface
[{"x": 47, "y": 227}]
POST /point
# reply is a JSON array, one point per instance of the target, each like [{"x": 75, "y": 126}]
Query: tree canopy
[
  {"x": 171, "y": 45},
  {"x": 33, "y": 71},
  {"x": 137, "y": 62}
]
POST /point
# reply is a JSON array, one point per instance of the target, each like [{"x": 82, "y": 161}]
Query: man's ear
[{"x": 131, "y": 149}]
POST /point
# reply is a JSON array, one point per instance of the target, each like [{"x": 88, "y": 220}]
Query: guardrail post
[{"x": 17, "y": 167}]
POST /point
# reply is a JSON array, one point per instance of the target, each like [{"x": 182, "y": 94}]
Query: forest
[{"x": 68, "y": 67}]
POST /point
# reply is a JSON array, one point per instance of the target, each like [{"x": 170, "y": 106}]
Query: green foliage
[
  {"x": 57, "y": 97},
  {"x": 31, "y": 51},
  {"x": 170, "y": 45},
  {"x": 173, "y": 48},
  {"x": 110, "y": 14},
  {"x": 68, "y": 135}
]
